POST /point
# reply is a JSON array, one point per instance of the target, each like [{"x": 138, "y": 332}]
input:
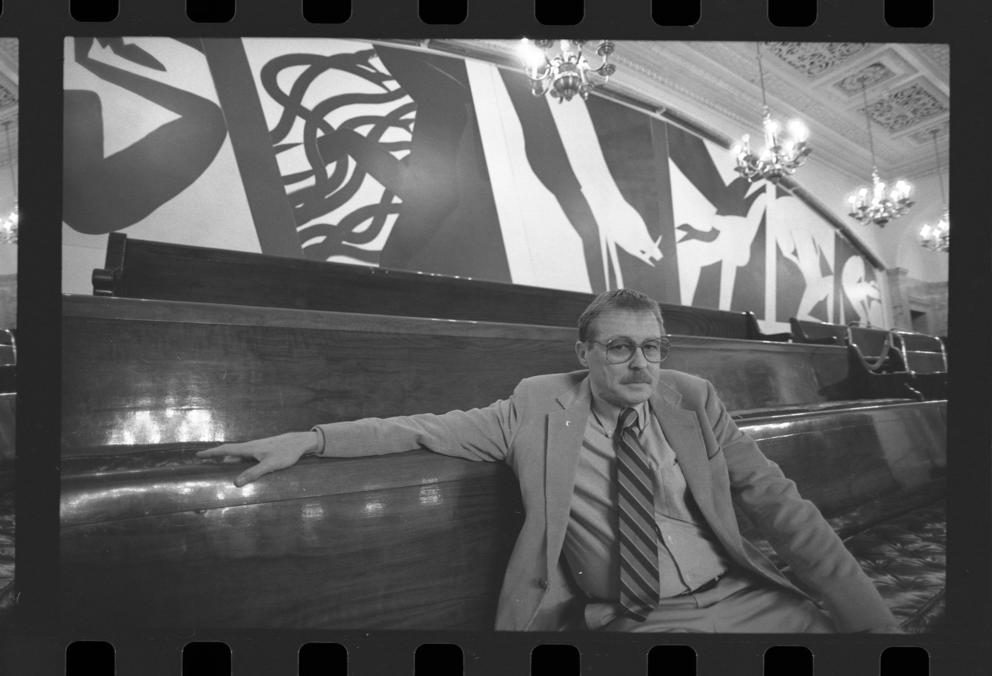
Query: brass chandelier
[
  {"x": 937, "y": 237},
  {"x": 873, "y": 204},
  {"x": 565, "y": 72},
  {"x": 785, "y": 150}
]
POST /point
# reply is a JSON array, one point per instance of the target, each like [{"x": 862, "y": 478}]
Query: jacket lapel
[
  {"x": 681, "y": 428},
  {"x": 566, "y": 428}
]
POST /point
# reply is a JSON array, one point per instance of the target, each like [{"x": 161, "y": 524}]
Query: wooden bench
[
  {"x": 8, "y": 403},
  {"x": 887, "y": 357},
  {"x": 140, "y": 372},
  {"x": 137, "y": 268},
  {"x": 413, "y": 540},
  {"x": 817, "y": 333},
  {"x": 146, "y": 383}
]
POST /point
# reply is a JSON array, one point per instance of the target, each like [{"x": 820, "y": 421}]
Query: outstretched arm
[{"x": 478, "y": 434}]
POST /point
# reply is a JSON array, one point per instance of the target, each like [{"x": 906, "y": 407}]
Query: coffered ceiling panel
[{"x": 815, "y": 59}]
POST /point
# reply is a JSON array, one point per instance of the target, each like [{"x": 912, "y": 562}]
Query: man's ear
[{"x": 580, "y": 351}]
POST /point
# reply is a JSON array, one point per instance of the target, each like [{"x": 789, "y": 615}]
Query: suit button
[{"x": 543, "y": 583}]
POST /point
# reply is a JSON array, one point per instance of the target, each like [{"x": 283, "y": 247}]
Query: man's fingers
[
  {"x": 214, "y": 452},
  {"x": 227, "y": 450},
  {"x": 271, "y": 454},
  {"x": 250, "y": 475}
]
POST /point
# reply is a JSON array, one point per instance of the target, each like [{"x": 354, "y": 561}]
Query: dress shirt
[{"x": 688, "y": 555}]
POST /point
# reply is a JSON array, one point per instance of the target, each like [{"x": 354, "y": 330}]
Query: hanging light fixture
[
  {"x": 8, "y": 226},
  {"x": 566, "y": 72},
  {"x": 783, "y": 152},
  {"x": 873, "y": 204},
  {"x": 937, "y": 237}
]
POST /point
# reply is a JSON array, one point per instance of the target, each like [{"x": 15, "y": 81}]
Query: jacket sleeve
[
  {"x": 476, "y": 434},
  {"x": 796, "y": 529}
]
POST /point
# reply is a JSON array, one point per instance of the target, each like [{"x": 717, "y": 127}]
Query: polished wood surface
[
  {"x": 152, "y": 372},
  {"x": 148, "y": 372},
  {"x": 412, "y": 540},
  {"x": 820, "y": 333},
  {"x": 137, "y": 268},
  {"x": 423, "y": 552},
  {"x": 842, "y": 459}
]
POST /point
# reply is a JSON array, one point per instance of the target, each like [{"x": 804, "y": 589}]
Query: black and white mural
[{"x": 371, "y": 154}]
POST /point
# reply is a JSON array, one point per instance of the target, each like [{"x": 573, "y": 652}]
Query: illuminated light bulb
[
  {"x": 532, "y": 57},
  {"x": 798, "y": 130}
]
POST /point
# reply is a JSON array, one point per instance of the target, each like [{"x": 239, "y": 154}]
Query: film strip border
[
  {"x": 493, "y": 655},
  {"x": 37, "y": 644},
  {"x": 782, "y": 13}
]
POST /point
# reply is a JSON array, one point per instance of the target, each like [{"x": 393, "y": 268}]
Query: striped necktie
[{"x": 639, "y": 577}]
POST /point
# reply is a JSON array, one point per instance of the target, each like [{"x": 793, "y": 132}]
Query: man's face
[{"x": 629, "y": 383}]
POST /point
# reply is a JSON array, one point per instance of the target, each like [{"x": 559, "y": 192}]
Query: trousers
[{"x": 739, "y": 603}]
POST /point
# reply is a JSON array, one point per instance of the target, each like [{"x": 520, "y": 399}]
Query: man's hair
[{"x": 617, "y": 299}]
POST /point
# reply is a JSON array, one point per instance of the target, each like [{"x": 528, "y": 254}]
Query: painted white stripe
[
  {"x": 620, "y": 225},
  {"x": 542, "y": 248}
]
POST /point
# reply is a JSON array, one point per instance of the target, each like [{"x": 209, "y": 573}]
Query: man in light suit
[{"x": 631, "y": 478}]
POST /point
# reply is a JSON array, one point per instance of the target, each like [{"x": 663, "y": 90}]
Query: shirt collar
[{"x": 608, "y": 413}]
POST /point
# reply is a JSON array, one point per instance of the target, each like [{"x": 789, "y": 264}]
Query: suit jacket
[{"x": 538, "y": 431}]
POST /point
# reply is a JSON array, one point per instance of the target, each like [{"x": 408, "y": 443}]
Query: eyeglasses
[{"x": 621, "y": 350}]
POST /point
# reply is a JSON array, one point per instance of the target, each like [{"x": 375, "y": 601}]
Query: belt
[{"x": 704, "y": 587}]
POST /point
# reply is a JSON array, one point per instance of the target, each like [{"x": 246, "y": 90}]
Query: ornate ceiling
[
  {"x": 8, "y": 98},
  {"x": 716, "y": 84}
]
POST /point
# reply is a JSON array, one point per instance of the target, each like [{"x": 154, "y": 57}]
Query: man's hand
[{"x": 272, "y": 453}]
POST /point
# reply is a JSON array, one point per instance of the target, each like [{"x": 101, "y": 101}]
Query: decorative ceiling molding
[
  {"x": 9, "y": 95},
  {"x": 682, "y": 77},
  {"x": 908, "y": 106},
  {"x": 815, "y": 59},
  {"x": 883, "y": 66},
  {"x": 923, "y": 136},
  {"x": 871, "y": 75}
]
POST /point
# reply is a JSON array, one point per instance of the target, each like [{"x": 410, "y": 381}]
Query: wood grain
[
  {"x": 159, "y": 372},
  {"x": 158, "y": 270},
  {"x": 409, "y": 557}
]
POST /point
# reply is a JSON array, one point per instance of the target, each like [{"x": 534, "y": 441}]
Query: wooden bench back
[
  {"x": 137, "y": 268},
  {"x": 150, "y": 372},
  {"x": 819, "y": 333}
]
